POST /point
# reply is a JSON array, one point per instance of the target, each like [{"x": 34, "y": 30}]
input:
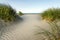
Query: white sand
[{"x": 25, "y": 30}]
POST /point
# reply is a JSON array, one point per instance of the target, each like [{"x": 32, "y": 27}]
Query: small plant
[{"x": 20, "y": 13}]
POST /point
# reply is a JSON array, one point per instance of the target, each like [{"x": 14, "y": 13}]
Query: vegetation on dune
[
  {"x": 52, "y": 16},
  {"x": 7, "y": 13},
  {"x": 20, "y": 13},
  {"x": 53, "y": 34}
]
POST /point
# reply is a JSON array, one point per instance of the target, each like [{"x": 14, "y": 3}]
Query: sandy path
[{"x": 24, "y": 30}]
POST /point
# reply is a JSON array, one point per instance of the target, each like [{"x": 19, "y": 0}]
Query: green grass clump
[
  {"x": 51, "y": 14},
  {"x": 20, "y": 13},
  {"x": 7, "y": 13}
]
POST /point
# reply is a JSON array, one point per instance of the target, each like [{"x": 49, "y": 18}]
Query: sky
[{"x": 32, "y": 6}]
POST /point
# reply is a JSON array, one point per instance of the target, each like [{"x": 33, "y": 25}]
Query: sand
[{"x": 25, "y": 30}]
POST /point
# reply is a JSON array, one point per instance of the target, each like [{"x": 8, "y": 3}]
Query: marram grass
[
  {"x": 52, "y": 16},
  {"x": 53, "y": 34}
]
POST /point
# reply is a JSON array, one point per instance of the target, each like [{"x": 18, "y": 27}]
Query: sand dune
[{"x": 25, "y": 30}]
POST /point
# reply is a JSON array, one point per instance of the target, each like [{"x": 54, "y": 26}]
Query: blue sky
[{"x": 32, "y": 6}]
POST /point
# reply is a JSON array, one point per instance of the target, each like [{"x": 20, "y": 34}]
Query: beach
[{"x": 25, "y": 30}]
